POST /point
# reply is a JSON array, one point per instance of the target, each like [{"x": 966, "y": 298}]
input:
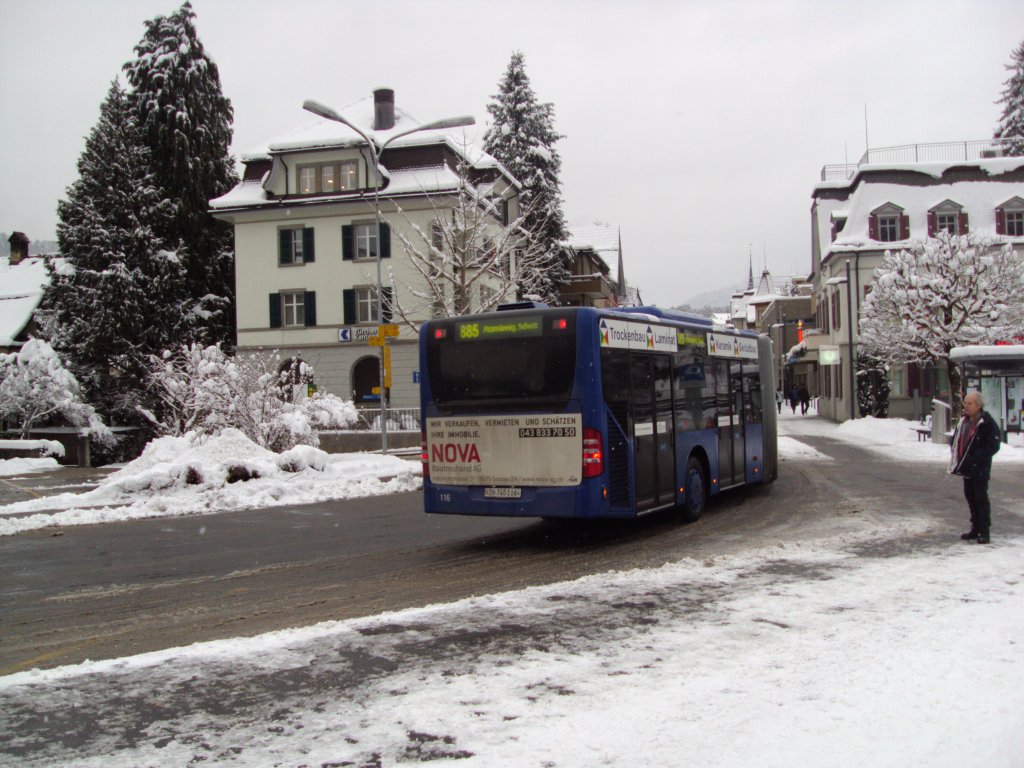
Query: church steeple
[{"x": 750, "y": 278}]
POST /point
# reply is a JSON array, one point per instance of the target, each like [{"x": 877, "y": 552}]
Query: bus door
[
  {"x": 739, "y": 448},
  {"x": 654, "y": 457},
  {"x": 723, "y": 412},
  {"x": 645, "y": 452}
]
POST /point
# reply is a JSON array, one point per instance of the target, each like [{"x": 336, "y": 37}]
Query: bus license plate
[{"x": 503, "y": 493}]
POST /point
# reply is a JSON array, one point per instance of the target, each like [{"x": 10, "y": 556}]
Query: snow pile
[
  {"x": 9, "y": 467},
  {"x": 170, "y": 462},
  {"x": 195, "y": 475}
]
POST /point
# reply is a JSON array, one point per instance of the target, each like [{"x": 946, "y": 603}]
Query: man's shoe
[
  {"x": 982, "y": 538},
  {"x": 969, "y": 535}
]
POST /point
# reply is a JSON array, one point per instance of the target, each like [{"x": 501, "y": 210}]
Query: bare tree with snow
[
  {"x": 466, "y": 259},
  {"x": 943, "y": 292}
]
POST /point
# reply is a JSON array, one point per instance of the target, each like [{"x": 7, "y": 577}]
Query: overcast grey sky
[{"x": 698, "y": 127}]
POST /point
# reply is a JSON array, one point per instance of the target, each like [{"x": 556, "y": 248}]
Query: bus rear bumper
[{"x": 562, "y": 502}]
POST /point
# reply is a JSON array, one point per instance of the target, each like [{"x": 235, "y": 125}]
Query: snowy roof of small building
[
  {"x": 21, "y": 289},
  {"x": 603, "y": 238},
  {"x": 981, "y": 351}
]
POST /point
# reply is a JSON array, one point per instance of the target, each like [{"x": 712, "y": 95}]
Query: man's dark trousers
[{"x": 976, "y": 493}]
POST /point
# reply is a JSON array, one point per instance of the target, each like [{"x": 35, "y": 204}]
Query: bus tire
[{"x": 695, "y": 493}]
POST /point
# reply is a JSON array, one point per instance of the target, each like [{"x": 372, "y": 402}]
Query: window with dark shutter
[
  {"x": 387, "y": 293},
  {"x": 348, "y": 243},
  {"x": 904, "y": 227},
  {"x": 385, "y": 240},
  {"x": 309, "y": 300},
  {"x": 275, "y": 310},
  {"x": 348, "y": 302},
  {"x": 284, "y": 246},
  {"x": 307, "y": 245}
]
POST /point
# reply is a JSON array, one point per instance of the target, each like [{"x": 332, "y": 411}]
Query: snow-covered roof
[
  {"x": 21, "y": 289},
  {"x": 430, "y": 180},
  {"x": 991, "y": 166},
  {"x": 979, "y": 200},
  {"x": 982, "y": 351},
  {"x": 322, "y": 134},
  {"x": 602, "y": 238}
]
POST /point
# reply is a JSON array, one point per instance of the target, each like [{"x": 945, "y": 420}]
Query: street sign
[
  {"x": 387, "y": 330},
  {"x": 348, "y": 334},
  {"x": 376, "y": 341}
]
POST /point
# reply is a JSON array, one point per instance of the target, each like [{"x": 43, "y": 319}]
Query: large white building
[
  {"x": 306, "y": 246},
  {"x": 890, "y": 198}
]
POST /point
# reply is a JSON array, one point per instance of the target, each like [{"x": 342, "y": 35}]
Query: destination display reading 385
[{"x": 477, "y": 330}]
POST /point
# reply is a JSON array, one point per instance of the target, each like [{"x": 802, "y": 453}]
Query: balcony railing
[{"x": 942, "y": 152}]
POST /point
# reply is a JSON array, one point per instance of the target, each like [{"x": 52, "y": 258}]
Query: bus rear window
[{"x": 496, "y": 368}]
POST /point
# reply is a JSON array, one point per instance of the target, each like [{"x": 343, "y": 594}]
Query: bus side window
[{"x": 690, "y": 382}]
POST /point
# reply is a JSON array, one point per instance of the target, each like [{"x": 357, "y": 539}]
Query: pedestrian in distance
[
  {"x": 778, "y": 400},
  {"x": 975, "y": 442},
  {"x": 805, "y": 399},
  {"x": 794, "y": 397}
]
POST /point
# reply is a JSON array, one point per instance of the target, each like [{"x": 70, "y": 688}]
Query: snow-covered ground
[{"x": 796, "y": 654}]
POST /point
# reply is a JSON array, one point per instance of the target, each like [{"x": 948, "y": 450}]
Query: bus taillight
[
  {"x": 593, "y": 453},
  {"x": 424, "y": 457}
]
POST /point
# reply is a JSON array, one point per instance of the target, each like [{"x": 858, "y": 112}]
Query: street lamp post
[{"x": 375, "y": 151}]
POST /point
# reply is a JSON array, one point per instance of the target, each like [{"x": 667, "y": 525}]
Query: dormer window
[
  {"x": 328, "y": 177},
  {"x": 888, "y": 224},
  {"x": 1010, "y": 218},
  {"x": 838, "y": 223},
  {"x": 947, "y": 217}
]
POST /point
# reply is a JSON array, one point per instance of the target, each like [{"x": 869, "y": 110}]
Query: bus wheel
[{"x": 696, "y": 491}]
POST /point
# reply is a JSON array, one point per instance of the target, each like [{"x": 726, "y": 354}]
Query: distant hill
[{"x": 709, "y": 301}]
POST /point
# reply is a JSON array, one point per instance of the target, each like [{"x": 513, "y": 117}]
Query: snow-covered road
[{"x": 888, "y": 644}]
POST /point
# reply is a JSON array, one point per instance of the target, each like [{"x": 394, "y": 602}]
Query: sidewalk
[{"x": 34, "y": 485}]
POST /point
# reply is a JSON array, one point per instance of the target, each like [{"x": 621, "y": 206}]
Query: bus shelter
[{"x": 998, "y": 373}]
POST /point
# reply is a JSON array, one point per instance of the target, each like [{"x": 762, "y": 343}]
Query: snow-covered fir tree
[
  {"x": 186, "y": 120},
  {"x": 522, "y": 137},
  {"x": 1011, "y": 124},
  {"x": 118, "y": 292},
  {"x": 467, "y": 260},
  {"x": 943, "y": 292}
]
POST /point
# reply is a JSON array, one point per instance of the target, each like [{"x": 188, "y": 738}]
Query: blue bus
[{"x": 580, "y": 412}]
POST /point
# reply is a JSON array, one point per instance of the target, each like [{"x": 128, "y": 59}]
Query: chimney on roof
[
  {"x": 383, "y": 109},
  {"x": 19, "y": 247}
]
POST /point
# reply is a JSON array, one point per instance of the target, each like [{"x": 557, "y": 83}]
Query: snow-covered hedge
[{"x": 203, "y": 390}]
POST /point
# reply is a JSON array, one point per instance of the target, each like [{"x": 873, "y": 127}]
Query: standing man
[
  {"x": 975, "y": 442},
  {"x": 805, "y": 399}
]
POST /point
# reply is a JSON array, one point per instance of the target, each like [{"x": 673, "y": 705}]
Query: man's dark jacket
[{"x": 976, "y": 460}]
